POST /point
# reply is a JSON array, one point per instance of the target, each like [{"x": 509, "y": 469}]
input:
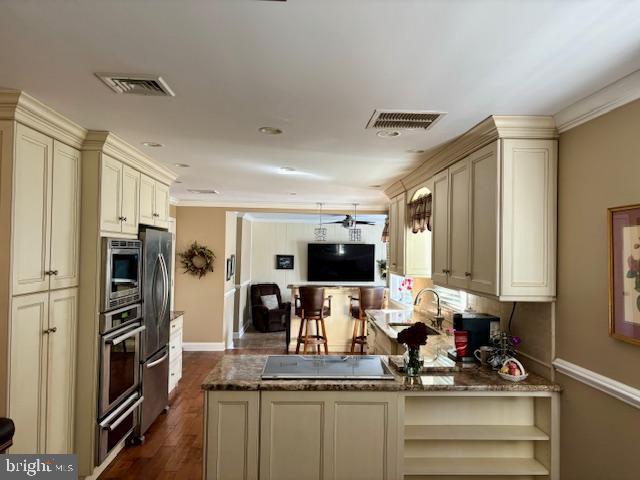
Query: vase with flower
[{"x": 413, "y": 338}]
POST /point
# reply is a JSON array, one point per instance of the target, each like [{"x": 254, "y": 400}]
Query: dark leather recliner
[
  {"x": 7, "y": 429},
  {"x": 265, "y": 320}
]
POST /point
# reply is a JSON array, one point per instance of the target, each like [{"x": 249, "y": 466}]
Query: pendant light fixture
[{"x": 320, "y": 232}]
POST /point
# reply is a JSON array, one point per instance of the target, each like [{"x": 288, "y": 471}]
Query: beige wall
[
  {"x": 201, "y": 299},
  {"x": 599, "y": 167},
  {"x": 271, "y": 238}
]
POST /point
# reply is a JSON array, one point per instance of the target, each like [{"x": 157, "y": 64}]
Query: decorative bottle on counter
[{"x": 413, "y": 361}]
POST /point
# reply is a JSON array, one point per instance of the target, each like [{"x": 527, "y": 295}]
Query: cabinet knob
[
  {"x": 50, "y": 330},
  {"x": 122, "y": 219},
  {"x": 446, "y": 272},
  {"x": 51, "y": 272},
  {"x": 467, "y": 274}
]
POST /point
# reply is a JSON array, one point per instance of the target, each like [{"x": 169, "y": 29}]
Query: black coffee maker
[{"x": 479, "y": 328}]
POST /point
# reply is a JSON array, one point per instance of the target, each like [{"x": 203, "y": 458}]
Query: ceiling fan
[{"x": 349, "y": 222}]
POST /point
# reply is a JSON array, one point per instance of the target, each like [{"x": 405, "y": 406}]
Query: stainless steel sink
[{"x": 401, "y": 326}]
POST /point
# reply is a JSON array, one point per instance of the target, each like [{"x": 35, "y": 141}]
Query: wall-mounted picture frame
[
  {"x": 624, "y": 273},
  {"x": 284, "y": 262}
]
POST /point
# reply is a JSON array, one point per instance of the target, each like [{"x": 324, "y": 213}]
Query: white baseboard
[
  {"x": 203, "y": 346},
  {"x": 619, "y": 390}
]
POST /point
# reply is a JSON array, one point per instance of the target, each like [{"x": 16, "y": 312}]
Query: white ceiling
[
  {"x": 378, "y": 219},
  {"x": 316, "y": 69}
]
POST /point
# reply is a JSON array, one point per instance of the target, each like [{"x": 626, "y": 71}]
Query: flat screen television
[{"x": 341, "y": 262}]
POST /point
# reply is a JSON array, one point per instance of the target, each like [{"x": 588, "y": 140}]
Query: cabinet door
[
  {"x": 459, "y": 225},
  {"x": 162, "y": 205},
  {"x": 31, "y": 211},
  {"x": 529, "y": 205},
  {"x": 393, "y": 236},
  {"x": 130, "y": 199},
  {"x": 65, "y": 216},
  {"x": 27, "y": 371},
  {"x": 147, "y": 200},
  {"x": 111, "y": 195},
  {"x": 483, "y": 170},
  {"x": 61, "y": 367},
  {"x": 231, "y": 435},
  {"x": 401, "y": 232},
  {"x": 440, "y": 224}
]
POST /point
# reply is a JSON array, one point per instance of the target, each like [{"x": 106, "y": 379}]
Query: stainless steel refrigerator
[{"x": 156, "y": 291}]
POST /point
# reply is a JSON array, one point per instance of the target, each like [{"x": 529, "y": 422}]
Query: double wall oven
[{"x": 121, "y": 337}]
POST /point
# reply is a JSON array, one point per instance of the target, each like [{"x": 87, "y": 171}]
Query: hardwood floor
[{"x": 173, "y": 446}]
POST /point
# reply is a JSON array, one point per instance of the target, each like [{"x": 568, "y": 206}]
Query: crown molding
[
  {"x": 614, "y": 95},
  {"x": 112, "y": 145},
  {"x": 327, "y": 208},
  {"x": 22, "y": 107},
  {"x": 623, "y": 392},
  {"x": 485, "y": 132}
]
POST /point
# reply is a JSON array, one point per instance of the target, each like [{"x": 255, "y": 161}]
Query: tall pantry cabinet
[{"x": 40, "y": 204}]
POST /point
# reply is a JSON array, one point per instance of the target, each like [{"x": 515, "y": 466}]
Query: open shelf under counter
[
  {"x": 474, "y": 432},
  {"x": 473, "y": 467}
]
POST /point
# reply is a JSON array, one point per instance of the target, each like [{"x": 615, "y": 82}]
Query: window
[{"x": 454, "y": 299}]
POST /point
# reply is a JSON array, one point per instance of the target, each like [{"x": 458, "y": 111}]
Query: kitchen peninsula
[{"x": 466, "y": 423}]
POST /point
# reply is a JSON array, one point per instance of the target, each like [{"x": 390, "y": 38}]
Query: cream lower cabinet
[
  {"x": 303, "y": 435},
  {"x": 494, "y": 221},
  {"x": 46, "y": 209},
  {"x": 154, "y": 202},
  {"x": 119, "y": 197},
  {"x": 175, "y": 352},
  {"x": 42, "y": 371}
]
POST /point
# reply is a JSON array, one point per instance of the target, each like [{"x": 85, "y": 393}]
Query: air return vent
[
  {"x": 204, "y": 191},
  {"x": 404, "y": 119},
  {"x": 136, "y": 84}
]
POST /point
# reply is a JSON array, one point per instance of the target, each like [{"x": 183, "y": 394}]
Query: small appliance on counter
[{"x": 473, "y": 330}]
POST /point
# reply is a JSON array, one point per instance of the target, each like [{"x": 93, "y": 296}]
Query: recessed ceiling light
[
  {"x": 287, "y": 170},
  {"x": 183, "y": 165},
  {"x": 152, "y": 144},
  {"x": 388, "y": 133},
  {"x": 375, "y": 186},
  {"x": 416, "y": 151},
  {"x": 270, "y": 130},
  {"x": 292, "y": 193}
]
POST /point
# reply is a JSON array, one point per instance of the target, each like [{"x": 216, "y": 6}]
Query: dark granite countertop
[
  {"x": 175, "y": 314},
  {"x": 242, "y": 372}
]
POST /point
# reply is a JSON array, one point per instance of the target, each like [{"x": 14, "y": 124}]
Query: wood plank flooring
[{"x": 173, "y": 446}]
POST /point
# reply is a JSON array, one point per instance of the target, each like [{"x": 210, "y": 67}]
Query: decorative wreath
[{"x": 197, "y": 260}]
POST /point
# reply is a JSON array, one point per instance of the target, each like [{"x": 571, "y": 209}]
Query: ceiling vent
[
  {"x": 404, "y": 119},
  {"x": 204, "y": 191},
  {"x": 150, "y": 85}
]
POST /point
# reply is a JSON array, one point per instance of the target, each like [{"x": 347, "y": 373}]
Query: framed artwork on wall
[
  {"x": 284, "y": 262},
  {"x": 624, "y": 273}
]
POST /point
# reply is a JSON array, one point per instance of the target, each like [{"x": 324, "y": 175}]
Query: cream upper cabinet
[
  {"x": 28, "y": 371},
  {"x": 162, "y": 205},
  {"x": 65, "y": 217},
  {"x": 440, "y": 223},
  {"x": 46, "y": 210},
  {"x": 31, "y": 210},
  {"x": 397, "y": 234},
  {"x": 501, "y": 233},
  {"x": 60, "y": 385},
  {"x": 154, "y": 202},
  {"x": 119, "y": 197},
  {"x": 458, "y": 269},
  {"x": 147, "y": 199},
  {"x": 111, "y": 195},
  {"x": 130, "y": 199}
]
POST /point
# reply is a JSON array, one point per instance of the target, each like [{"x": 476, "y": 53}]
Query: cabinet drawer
[
  {"x": 175, "y": 350},
  {"x": 176, "y": 325}
]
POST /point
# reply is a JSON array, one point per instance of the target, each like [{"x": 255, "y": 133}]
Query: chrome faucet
[{"x": 439, "y": 318}]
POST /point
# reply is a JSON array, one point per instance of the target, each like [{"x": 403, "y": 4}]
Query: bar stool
[
  {"x": 310, "y": 306},
  {"x": 370, "y": 298}
]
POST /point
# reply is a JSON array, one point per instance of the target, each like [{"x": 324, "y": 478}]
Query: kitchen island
[{"x": 466, "y": 423}]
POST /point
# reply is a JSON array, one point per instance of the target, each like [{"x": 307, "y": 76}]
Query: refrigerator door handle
[
  {"x": 157, "y": 362},
  {"x": 165, "y": 285}
]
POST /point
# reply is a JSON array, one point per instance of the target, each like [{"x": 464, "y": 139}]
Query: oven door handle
[
  {"x": 157, "y": 362},
  {"x": 121, "y": 338},
  {"x": 106, "y": 424}
]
